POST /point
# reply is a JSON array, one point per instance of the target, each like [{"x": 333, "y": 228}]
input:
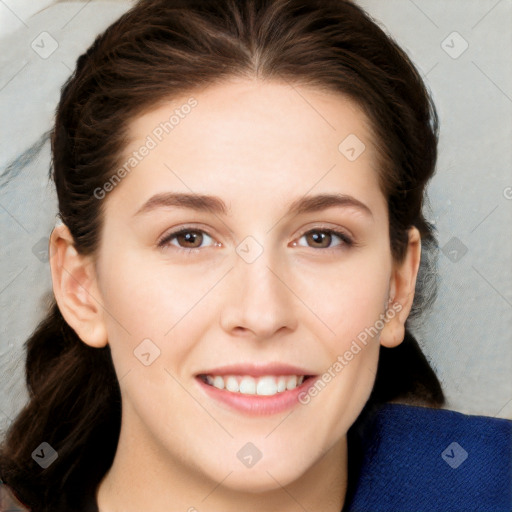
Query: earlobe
[
  {"x": 402, "y": 287},
  {"x": 75, "y": 288}
]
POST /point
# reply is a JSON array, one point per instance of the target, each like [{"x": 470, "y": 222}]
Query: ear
[
  {"x": 401, "y": 295},
  {"x": 75, "y": 288}
]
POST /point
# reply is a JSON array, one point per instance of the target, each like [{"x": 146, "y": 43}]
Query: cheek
[
  {"x": 157, "y": 302},
  {"x": 351, "y": 304},
  {"x": 148, "y": 298},
  {"x": 347, "y": 298}
]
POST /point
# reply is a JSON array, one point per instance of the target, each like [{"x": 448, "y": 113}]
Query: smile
[
  {"x": 266, "y": 385},
  {"x": 255, "y": 395}
]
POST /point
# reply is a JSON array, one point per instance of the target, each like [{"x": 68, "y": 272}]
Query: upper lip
[{"x": 257, "y": 370}]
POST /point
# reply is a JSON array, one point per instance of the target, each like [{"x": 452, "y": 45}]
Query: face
[{"x": 255, "y": 284}]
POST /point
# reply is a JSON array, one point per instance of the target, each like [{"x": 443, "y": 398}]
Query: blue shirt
[{"x": 419, "y": 459}]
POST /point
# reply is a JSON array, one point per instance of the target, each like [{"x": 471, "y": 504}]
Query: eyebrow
[{"x": 215, "y": 205}]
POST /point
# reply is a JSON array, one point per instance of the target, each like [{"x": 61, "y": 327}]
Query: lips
[{"x": 256, "y": 388}]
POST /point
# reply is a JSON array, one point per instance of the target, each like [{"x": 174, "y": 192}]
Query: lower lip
[{"x": 255, "y": 404}]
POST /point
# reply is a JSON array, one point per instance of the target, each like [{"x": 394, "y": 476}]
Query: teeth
[
  {"x": 218, "y": 382},
  {"x": 232, "y": 384},
  {"x": 291, "y": 382},
  {"x": 264, "y": 386},
  {"x": 267, "y": 386},
  {"x": 248, "y": 386}
]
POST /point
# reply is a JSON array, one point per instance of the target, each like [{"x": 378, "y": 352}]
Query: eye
[
  {"x": 322, "y": 238},
  {"x": 187, "y": 239}
]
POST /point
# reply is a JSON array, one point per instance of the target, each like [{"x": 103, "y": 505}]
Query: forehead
[
  {"x": 249, "y": 137},
  {"x": 254, "y": 112}
]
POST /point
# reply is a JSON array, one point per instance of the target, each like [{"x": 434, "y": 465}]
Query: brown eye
[
  {"x": 322, "y": 239},
  {"x": 190, "y": 239},
  {"x": 319, "y": 238},
  {"x": 187, "y": 239}
]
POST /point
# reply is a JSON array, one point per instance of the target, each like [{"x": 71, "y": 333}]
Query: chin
[{"x": 262, "y": 477}]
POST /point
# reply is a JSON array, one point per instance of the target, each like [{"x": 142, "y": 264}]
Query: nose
[{"x": 259, "y": 301}]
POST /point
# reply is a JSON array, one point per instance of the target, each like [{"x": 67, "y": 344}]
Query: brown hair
[{"x": 160, "y": 49}]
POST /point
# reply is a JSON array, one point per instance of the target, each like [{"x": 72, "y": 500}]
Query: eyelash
[{"x": 347, "y": 242}]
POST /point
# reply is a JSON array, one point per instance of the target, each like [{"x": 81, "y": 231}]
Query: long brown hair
[{"x": 164, "y": 48}]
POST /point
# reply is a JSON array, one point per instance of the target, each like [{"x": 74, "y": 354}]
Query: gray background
[{"x": 462, "y": 49}]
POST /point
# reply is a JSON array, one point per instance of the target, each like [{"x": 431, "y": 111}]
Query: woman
[{"x": 241, "y": 253}]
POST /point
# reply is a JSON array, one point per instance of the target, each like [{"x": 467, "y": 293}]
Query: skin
[{"x": 258, "y": 146}]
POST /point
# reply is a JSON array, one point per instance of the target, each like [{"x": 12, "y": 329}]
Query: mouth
[
  {"x": 265, "y": 385},
  {"x": 255, "y": 390}
]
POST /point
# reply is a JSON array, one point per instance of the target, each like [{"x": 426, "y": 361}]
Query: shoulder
[{"x": 428, "y": 459}]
